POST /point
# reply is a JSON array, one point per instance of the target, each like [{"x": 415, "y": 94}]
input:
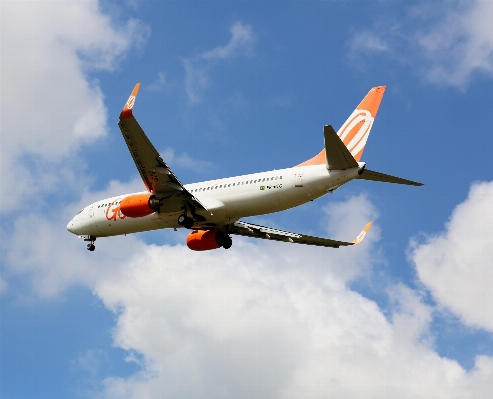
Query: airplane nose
[{"x": 71, "y": 226}]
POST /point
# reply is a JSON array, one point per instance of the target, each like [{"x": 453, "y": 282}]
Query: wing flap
[{"x": 267, "y": 233}]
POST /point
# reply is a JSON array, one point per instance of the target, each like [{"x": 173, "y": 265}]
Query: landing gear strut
[
  {"x": 186, "y": 221},
  {"x": 91, "y": 247}
]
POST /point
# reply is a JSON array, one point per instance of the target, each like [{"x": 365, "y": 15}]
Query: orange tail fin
[{"x": 355, "y": 131}]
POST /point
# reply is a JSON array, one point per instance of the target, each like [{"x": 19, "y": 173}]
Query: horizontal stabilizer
[
  {"x": 337, "y": 155},
  {"x": 377, "y": 176}
]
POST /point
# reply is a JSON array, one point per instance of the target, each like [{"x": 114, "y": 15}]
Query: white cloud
[
  {"x": 446, "y": 42},
  {"x": 185, "y": 161},
  {"x": 261, "y": 319},
  {"x": 367, "y": 42},
  {"x": 49, "y": 105},
  {"x": 460, "y": 44},
  {"x": 40, "y": 250},
  {"x": 197, "y": 68},
  {"x": 272, "y": 320},
  {"x": 159, "y": 84},
  {"x": 241, "y": 43},
  {"x": 455, "y": 265}
]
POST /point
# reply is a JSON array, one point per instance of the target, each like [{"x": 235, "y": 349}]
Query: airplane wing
[
  {"x": 267, "y": 233},
  {"x": 155, "y": 173}
]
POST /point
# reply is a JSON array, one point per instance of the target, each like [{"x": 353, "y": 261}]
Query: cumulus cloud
[
  {"x": 460, "y": 44},
  {"x": 262, "y": 318},
  {"x": 197, "y": 68},
  {"x": 39, "y": 250},
  {"x": 272, "y": 320},
  {"x": 445, "y": 42},
  {"x": 49, "y": 105},
  {"x": 185, "y": 161},
  {"x": 455, "y": 265},
  {"x": 367, "y": 42},
  {"x": 159, "y": 84}
]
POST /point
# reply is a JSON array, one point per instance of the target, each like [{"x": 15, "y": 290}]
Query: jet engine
[
  {"x": 139, "y": 205},
  {"x": 203, "y": 240}
]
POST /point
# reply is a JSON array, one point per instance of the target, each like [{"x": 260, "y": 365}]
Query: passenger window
[{"x": 280, "y": 177}]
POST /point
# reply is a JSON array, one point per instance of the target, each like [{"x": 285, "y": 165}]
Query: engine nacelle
[
  {"x": 203, "y": 240},
  {"x": 137, "y": 206}
]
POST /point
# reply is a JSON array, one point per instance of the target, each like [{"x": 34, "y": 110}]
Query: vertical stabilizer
[{"x": 355, "y": 131}]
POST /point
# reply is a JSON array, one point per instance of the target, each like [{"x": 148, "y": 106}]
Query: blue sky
[{"x": 230, "y": 88}]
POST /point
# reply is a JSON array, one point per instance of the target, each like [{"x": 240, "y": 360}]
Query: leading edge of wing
[{"x": 267, "y": 233}]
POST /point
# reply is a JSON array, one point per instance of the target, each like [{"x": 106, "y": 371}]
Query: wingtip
[
  {"x": 361, "y": 236},
  {"x": 127, "y": 109}
]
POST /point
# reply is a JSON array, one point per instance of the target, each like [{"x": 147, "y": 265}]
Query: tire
[
  {"x": 223, "y": 240},
  {"x": 188, "y": 223},
  {"x": 181, "y": 220},
  {"x": 228, "y": 243},
  {"x": 91, "y": 247}
]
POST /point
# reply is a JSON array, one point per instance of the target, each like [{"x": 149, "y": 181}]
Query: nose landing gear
[{"x": 91, "y": 247}]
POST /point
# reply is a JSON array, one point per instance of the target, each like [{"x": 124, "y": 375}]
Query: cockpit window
[{"x": 80, "y": 211}]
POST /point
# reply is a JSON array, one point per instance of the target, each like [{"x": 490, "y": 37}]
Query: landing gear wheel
[
  {"x": 91, "y": 247},
  {"x": 185, "y": 221},
  {"x": 228, "y": 243},
  {"x": 223, "y": 240}
]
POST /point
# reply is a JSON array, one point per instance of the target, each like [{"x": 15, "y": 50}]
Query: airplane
[{"x": 213, "y": 209}]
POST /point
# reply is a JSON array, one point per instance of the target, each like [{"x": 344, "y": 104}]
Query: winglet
[
  {"x": 127, "y": 109},
  {"x": 362, "y": 235}
]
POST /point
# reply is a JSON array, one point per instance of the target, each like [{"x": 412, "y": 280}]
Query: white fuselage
[{"x": 226, "y": 200}]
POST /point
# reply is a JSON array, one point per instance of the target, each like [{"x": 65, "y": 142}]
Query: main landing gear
[
  {"x": 91, "y": 247},
  {"x": 223, "y": 240},
  {"x": 186, "y": 221}
]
